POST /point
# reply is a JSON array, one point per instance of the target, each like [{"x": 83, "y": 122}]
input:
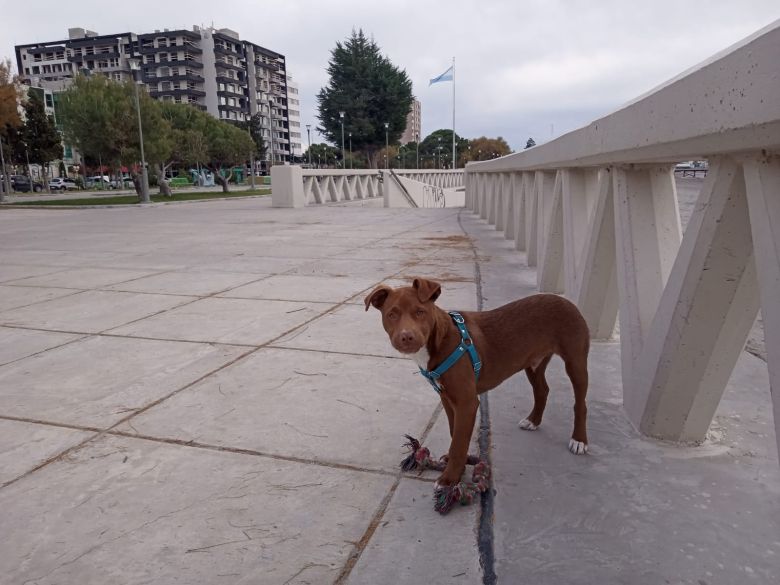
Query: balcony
[{"x": 156, "y": 93}]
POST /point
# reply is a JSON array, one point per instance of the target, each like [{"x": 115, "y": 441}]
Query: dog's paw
[
  {"x": 527, "y": 425},
  {"x": 578, "y": 447}
]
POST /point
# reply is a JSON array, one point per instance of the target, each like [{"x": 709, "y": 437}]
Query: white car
[{"x": 62, "y": 184}]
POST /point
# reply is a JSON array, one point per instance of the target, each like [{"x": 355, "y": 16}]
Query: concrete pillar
[
  {"x": 516, "y": 224},
  {"x": 579, "y": 195},
  {"x": 501, "y": 202},
  {"x": 495, "y": 197},
  {"x": 647, "y": 230},
  {"x": 287, "y": 186},
  {"x": 596, "y": 292},
  {"x": 487, "y": 195},
  {"x": 550, "y": 239},
  {"x": 703, "y": 318},
  {"x": 762, "y": 178},
  {"x": 506, "y": 220}
]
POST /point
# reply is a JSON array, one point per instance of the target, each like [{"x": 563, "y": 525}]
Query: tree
[
  {"x": 227, "y": 147},
  {"x": 484, "y": 148},
  {"x": 39, "y": 135},
  {"x": 255, "y": 128},
  {"x": 370, "y": 90},
  {"x": 99, "y": 117},
  {"x": 10, "y": 96},
  {"x": 322, "y": 155},
  {"x": 531, "y": 143},
  {"x": 429, "y": 147}
]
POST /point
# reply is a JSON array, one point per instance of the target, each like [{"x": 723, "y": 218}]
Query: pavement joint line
[
  {"x": 379, "y": 513},
  {"x": 163, "y": 398},
  {"x": 59, "y": 345},
  {"x": 55, "y": 271},
  {"x": 485, "y": 536},
  {"x": 120, "y": 336},
  {"x": 74, "y": 448},
  {"x": 75, "y": 292},
  {"x": 207, "y": 446},
  {"x": 334, "y": 352}
]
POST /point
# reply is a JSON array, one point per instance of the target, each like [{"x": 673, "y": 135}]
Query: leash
[
  {"x": 466, "y": 346},
  {"x": 446, "y": 497}
]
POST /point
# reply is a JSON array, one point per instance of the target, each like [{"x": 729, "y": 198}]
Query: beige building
[{"x": 413, "y": 124}]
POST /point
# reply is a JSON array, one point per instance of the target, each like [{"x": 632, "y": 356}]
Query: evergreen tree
[
  {"x": 370, "y": 90},
  {"x": 531, "y": 142},
  {"x": 40, "y": 136}
]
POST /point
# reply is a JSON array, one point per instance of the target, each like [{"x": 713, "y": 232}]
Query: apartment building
[
  {"x": 212, "y": 69},
  {"x": 413, "y": 123},
  {"x": 294, "y": 111}
]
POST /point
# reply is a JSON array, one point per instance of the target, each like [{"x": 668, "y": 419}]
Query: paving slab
[
  {"x": 336, "y": 267},
  {"x": 83, "y": 278},
  {"x": 90, "y": 311},
  {"x": 25, "y": 445},
  {"x": 12, "y": 272},
  {"x": 97, "y": 381},
  {"x": 19, "y": 343},
  {"x": 241, "y": 321},
  {"x": 338, "y": 331},
  {"x": 13, "y": 297},
  {"x": 193, "y": 283},
  {"x": 132, "y": 511},
  {"x": 293, "y": 287},
  {"x": 414, "y": 544},
  {"x": 323, "y": 407}
]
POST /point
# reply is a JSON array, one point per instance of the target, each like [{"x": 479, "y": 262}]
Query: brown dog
[{"x": 522, "y": 335}]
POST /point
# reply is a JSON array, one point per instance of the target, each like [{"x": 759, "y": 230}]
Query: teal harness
[{"x": 466, "y": 346}]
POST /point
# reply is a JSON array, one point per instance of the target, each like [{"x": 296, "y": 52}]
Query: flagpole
[{"x": 454, "y": 162}]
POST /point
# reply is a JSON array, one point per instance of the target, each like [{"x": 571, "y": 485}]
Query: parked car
[
  {"x": 106, "y": 183},
  {"x": 23, "y": 184},
  {"x": 63, "y": 184}
]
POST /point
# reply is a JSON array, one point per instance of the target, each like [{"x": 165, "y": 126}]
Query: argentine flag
[{"x": 446, "y": 76}]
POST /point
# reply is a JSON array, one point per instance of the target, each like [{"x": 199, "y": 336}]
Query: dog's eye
[
  {"x": 392, "y": 315},
  {"x": 420, "y": 313}
]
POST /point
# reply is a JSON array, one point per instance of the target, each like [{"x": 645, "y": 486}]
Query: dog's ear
[
  {"x": 427, "y": 290},
  {"x": 378, "y": 296}
]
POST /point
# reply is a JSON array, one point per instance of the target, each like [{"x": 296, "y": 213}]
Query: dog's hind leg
[
  {"x": 577, "y": 370},
  {"x": 541, "y": 390}
]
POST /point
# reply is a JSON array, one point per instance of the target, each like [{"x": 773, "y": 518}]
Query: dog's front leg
[
  {"x": 465, "y": 413},
  {"x": 449, "y": 410}
]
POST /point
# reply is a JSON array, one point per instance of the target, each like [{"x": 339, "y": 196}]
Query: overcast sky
[{"x": 521, "y": 66}]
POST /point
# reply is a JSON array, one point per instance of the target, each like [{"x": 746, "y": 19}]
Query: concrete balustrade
[
  {"x": 596, "y": 211},
  {"x": 293, "y": 186}
]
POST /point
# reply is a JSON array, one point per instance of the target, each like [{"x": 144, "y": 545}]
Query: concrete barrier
[{"x": 596, "y": 211}]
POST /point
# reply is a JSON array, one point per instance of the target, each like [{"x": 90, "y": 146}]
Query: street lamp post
[
  {"x": 136, "y": 67},
  {"x": 6, "y": 190},
  {"x": 351, "y": 162},
  {"x": 343, "y": 154},
  {"x": 417, "y": 141},
  {"x": 387, "y": 142},
  {"x": 308, "y": 132}
]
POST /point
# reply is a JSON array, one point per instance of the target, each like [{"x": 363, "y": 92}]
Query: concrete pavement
[{"x": 194, "y": 394}]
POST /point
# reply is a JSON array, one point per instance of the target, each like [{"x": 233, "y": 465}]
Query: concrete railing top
[{"x": 727, "y": 104}]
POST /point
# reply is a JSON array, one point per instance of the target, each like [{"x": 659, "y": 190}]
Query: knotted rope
[{"x": 445, "y": 497}]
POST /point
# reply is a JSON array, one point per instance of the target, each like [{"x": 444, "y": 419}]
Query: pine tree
[
  {"x": 370, "y": 90},
  {"x": 531, "y": 142}
]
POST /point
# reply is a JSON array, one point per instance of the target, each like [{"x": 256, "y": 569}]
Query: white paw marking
[
  {"x": 577, "y": 447},
  {"x": 527, "y": 425}
]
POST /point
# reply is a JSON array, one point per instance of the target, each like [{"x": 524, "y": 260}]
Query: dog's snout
[
  {"x": 406, "y": 341},
  {"x": 406, "y": 337}
]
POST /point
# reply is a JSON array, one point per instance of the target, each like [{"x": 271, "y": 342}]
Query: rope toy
[{"x": 445, "y": 497}]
